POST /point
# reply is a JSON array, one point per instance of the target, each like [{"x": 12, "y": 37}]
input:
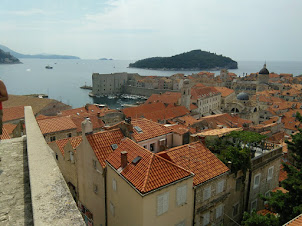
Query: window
[
  {"x": 257, "y": 180},
  {"x": 254, "y": 205},
  {"x": 162, "y": 203},
  {"x": 71, "y": 156},
  {"x": 267, "y": 194},
  {"x": 181, "y": 195},
  {"x": 219, "y": 211},
  {"x": 114, "y": 184},
  {"x": 69, "y": 135},
  {"x": 112, "y": 209},
  {"x": 95, "y": 188},
  {"x": 94, "y": 163},
  {"x": 152, "y": 147},
  {"x": 207, "y": 193},
  {"x": 220, "y": 186},
  {"x": 270, "y": 173},
  {"x": 206, "y": 219},
  {"x": 53, "y": 138},
  {"x": 57, "y": 157},
  {"x": 235, "y": 209}
]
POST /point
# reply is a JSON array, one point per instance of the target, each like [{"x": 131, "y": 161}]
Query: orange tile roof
[
  {"x": 74, "y": 141},
  {"x": 56, "y": 124},
  {"x": 265, "y": 211},
  {"x": 92, "y": 109},
  {"x": 167, "y": 97},
  {"x": 101, "y": 143},
  {"x": 5, "y": 134},
  {"x": 224, "y": 91},
  {"x": 179, "y": 129},
  {"x": 9, "y": 127},
  {"x": 187, "y": 120},
  {"x": 150, "y": 129},
  {"x": 13, "y": 113},
  {"x": 297, "y": 221},
  {"x": 282, "y": 174},
  {"x": 151, "y": 172},
  {"x": 155, "y": 111},
  {"x": 283, "y": 190},
  {"x": 198, "y": 92},
  {"x": 195, "y": 157},
  {"x": 96, "y": 122}
]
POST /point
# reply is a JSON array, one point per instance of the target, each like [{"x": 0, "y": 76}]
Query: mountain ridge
[{"x": 38, "y": 56}]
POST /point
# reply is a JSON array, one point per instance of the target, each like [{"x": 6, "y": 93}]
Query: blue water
[{"x": 64, "y": 80}]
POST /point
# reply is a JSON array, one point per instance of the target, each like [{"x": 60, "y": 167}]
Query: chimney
[
  {"x": 203, "y": 139},
  {"x": 124, "y": 160},
  {"x": 86, "y": 107},
  {"x": 87, "y": 127},
  {"x": 99, "y": 114}
]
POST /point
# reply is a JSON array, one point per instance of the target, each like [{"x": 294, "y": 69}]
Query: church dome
[
  {"x": 264, "y": 71},
  {"x": 243, "y": 96}
]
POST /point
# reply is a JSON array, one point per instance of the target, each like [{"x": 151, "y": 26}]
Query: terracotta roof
[
  {"x": 179, "y": 129},
  {"x": 36, "y": 103},
  {"x": 198, "y": 92},
  {"x": 282, "y": 174},
  {"x": 5, "y": 134},
  {"x": 96, "y": 122},
  {"x": 9, "y": 127},
  {"x": 212, "y": 121},
  {"x": 297, "y": 221},
  {"x": 13, "y": 113},
  {"x": 283, "y": 190},
  {"x": 224, "y": 91},
  {"x": 265, "y": 211},
  {"x": 218, "y": 132},
  {"x": 149, "y": 129},
  {"x": 101, "y": 143},
  {"x": 150, "y": 172},
  {"x": 56, "y": 124},
  {"x": 167, "y": 97},
  {"x": 187, "y": 120},
  {"x": 82, "y": 111},
  {"x": 196, "y": 158},
  {"x": 155, "y": 111},
  {"x": 74, "y": 141}
]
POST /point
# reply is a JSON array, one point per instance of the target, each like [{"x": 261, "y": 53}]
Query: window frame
[
  {"x": 206, "y": 217},
  {"x": 219, "y": 213},
  {"x": 162, "y": 203},
  {"x": 207, "y": 190},
  {"x": 270, "y": 177},
  {"x": 220, "y": 189},
  {"x": 258, "y": 184},
  {"x": 181, "y": 195}
]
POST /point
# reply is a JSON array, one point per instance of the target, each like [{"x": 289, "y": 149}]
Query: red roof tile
[
  {"x": 297, "y": 221},
  {"x": 196, "y": 158},
  {"x": 13, "y": 113},
  {"x": 5, "y": 134},
  {"x": 56, "y": 124},
  {"x": 101, "y": 143},
  {"x": 198, "y": 92},
  {"x": 224, "y": 91},
  {"x": 9, "y": 127},
  {"x": 149, "y": 129},
  {"x": 82, "y": 111},
  {"x": 96, "y": 122},
  {"x": 74, "y": 141},
  {"x": 151, "y": 172},
  {"x": 167, "y": 97}
]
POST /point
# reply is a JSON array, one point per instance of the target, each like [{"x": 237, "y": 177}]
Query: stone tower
[
  {"x": 186, "y": 94},
  {"x": 263, "y": 79}
]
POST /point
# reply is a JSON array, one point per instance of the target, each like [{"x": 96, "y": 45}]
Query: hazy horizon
[{"x": 135, "y": 29}]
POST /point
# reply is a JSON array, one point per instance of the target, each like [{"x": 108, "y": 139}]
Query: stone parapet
[{"x": 52, "y": 203}]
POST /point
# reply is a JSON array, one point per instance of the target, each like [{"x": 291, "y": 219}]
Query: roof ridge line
[{"x": 148, "y": 173}]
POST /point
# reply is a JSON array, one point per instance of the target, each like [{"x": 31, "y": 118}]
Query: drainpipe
[
  {"x": 248, "y": 190},
  {"x": 105, "y": 184},
  {"x": 193, "y": 221}
]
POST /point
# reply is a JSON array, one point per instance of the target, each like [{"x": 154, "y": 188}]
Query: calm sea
[{"x": 64, "y": 80}]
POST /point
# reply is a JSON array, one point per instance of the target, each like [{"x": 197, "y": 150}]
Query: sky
[{"x": 264, "y": 30}]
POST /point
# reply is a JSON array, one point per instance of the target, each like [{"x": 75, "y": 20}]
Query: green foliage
[
  {"x": 255, "y": 219},
  {"x": 240, "y": 158},
  {"x": 289, "y": 205},
  {"x": 246, "y": 137},
  {"x": 7, "y": 58},
  {"x": 195, "y": 59}
]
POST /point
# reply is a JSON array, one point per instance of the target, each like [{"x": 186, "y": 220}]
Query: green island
[
  {"x": 193, "y": 60},
  {"x": 6, "y": 58}
]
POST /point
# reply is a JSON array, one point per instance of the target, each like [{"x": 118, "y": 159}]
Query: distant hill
[
  {"x": 193, "y": 60},
  {"x": 105, "y": 59},
  {"x": 39, "y": 56},
  {"x": 6, "y": 58}
]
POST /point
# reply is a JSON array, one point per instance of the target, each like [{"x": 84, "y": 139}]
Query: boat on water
[
  {"x": 48, "y": 67},
  {"x": 91, "y": 95}
]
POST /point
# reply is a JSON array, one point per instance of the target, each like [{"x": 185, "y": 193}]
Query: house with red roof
[
  {"x": 143, "y": 188},
  {"x": 209, "y": 183},
  {"x": 91, "y": 154}
]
